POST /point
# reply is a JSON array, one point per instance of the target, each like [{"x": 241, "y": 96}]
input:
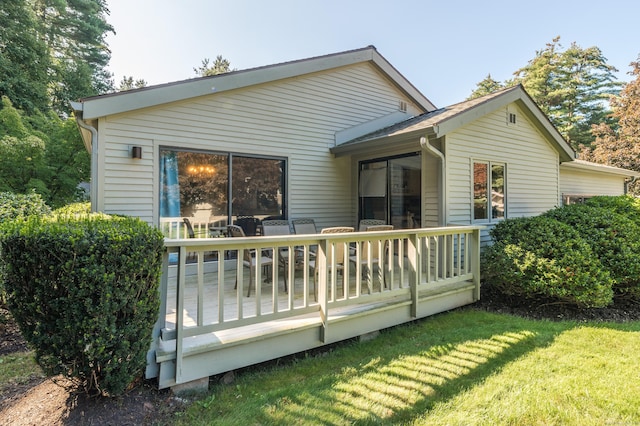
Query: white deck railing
[{"x": 204, "y": 281}]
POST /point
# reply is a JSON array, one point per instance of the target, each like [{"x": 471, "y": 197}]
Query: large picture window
[
  {"x": 216, "y": 189},
  {"x": 488, "y": 191}
]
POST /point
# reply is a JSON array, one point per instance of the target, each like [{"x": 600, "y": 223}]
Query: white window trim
[{"x": 489, "y": 164}]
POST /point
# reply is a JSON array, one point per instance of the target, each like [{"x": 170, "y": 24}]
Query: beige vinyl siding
[
  {"x": 583, "y": 182},
  {"x": 532, "y": 185},
  {"x": 295, "y": 119},
  {"x": 430, "y": 191}
]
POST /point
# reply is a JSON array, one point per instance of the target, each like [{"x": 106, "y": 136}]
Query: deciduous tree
[{"x": 619, "y": 144}]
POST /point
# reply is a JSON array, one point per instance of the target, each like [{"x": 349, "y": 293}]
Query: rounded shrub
[
  {"x": 625, "y": 205},
  {"x": 84, "y": 292},
  {"x": 539, "y": 257},
  {"x": 74, "y": 209},
  {"x": 614, "y": 239},
  {"x": 14, "y": 206}
]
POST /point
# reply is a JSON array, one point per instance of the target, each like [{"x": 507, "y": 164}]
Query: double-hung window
[{"x": 489, "y": 198}]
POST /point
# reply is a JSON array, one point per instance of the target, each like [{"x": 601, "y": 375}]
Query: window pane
[
  {"x": 258, "y": 187},
  {"x": 497, "y": 192},
  {"x": 480, "y": 192}
]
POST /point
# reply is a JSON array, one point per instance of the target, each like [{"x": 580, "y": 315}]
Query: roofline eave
[{"x": 115, "y": 103}]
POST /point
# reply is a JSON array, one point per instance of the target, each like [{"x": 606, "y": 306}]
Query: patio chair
[
  {"x": 365, "y": 223},
  {"x": 250, "y": 258},
  {"x": 304, "y": 226},
  {"x": 338, "y": 252},
  {"x": 372, "y": 256},
  {"x": 279, "y": 227},
  {"x": 249, "y": 225}
]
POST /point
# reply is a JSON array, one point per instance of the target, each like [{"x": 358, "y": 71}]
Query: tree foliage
[
  {"x": 218, "y": 66},
  {"x": 128, "y": 83},
  {"x": 571, "y": 86},
  {"x": 43, "y": 154},
  {"x": 619, "y": 145},
  {"x": 486, "y": 86},
  {"x": 24, "y": 60}
]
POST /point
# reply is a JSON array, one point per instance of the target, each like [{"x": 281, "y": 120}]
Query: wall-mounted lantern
[{"x": 136, "y": 152}]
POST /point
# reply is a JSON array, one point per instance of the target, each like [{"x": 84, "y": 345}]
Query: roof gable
[
  {"x": 445, "y": 120},
  {"x": 115, "y": 103}
]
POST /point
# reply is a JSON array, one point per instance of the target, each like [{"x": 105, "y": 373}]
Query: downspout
[
  {"x": 77, "y": 107},
  {"x": 424, "y": 143}
]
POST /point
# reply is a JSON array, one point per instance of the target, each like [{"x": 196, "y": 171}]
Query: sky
[{"x": 444, "y": 48}]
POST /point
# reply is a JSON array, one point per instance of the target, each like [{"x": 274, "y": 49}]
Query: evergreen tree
[
  {"x": 128, "y": 83},
  {"x": 572, "y": 87},
  {"x": 24, "y": 58},
  {"x": 75, "y": 31},
  {"x": 486, "y": 86},
  {"x": 219, "y": 66}
]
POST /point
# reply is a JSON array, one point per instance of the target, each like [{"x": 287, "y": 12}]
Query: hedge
[
  {"x": 540, "y": 257},
  {"x": 84, "y": 292},
  {"x": 614, "y": 238}
]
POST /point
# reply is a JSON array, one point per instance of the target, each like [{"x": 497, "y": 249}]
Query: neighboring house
[{"x": 338, "y": 138}]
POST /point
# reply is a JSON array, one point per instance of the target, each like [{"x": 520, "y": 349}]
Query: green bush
[
  {"x": 540, "y": 257},
  {"x": 84, "y": 292},
  {"x": 14, "y": 206},
  {"x": 624, "y": 204},
  {"x": 613, "y": 237},
  {"x": 74, "y": 209}
]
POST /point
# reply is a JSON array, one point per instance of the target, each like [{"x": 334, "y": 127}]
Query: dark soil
[{"x": 56, "y": 401}]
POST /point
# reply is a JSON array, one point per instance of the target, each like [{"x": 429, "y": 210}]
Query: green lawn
[{"x": 460, "y": 368}]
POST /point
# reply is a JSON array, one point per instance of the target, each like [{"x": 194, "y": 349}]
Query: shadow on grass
[{"x": 393, "y": 379}]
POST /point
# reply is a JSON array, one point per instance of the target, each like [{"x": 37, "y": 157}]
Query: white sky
[{"x": 443, "y": 47}]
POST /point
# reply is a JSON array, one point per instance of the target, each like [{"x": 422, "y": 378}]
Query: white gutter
[
  {"x": 424, "y": 143},
  {"x": 77, "y": 107}
]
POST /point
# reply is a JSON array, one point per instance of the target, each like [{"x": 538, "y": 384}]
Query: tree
[
  {"x": 128, "y": 83},
  {"x": 619, "y": 144},
  {"x": 571, "y": 86},
  {"x": 41, "y": 153},
  {"x": 75, "y": 31},
  {"x": 486, "y": 86},
  {"x": 24, "y": 58},
  {"x": 219, "y": 66}
]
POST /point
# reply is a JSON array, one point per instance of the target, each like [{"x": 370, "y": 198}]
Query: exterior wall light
[{"x": 136, "y": 152}]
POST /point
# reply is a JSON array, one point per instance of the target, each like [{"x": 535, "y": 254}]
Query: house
[{"x": 337, "y": 138}]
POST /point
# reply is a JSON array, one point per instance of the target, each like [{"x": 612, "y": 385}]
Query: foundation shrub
[
  {"x": 84, "y": 291},
  {"x": 542, "y": 258},
  {"x": 614, "y": 238},
  {"x": 13, "y": 206},
  {"x": 625, "y": 205}
]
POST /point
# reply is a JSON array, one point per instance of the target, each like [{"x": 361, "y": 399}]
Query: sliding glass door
[
  {"x": 390, "y": 190},
  {"x": 217, "y": 188}
]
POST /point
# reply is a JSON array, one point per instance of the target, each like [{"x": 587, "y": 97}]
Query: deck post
[
  {"x": 475, "y": 262},
  {"x": 153, "y": 369},
  {"x": 182, "y": 258},
  {"x": 322, "y": 286},
  {"x": 415, "y": 271}
]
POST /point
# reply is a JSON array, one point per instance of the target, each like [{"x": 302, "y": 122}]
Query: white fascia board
[
  {"x": 402, "y": 83},
  {"x": 116, "y": 103},
  {"x": 599, "y": 168},
  {"x": 531, "y": 109}
]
